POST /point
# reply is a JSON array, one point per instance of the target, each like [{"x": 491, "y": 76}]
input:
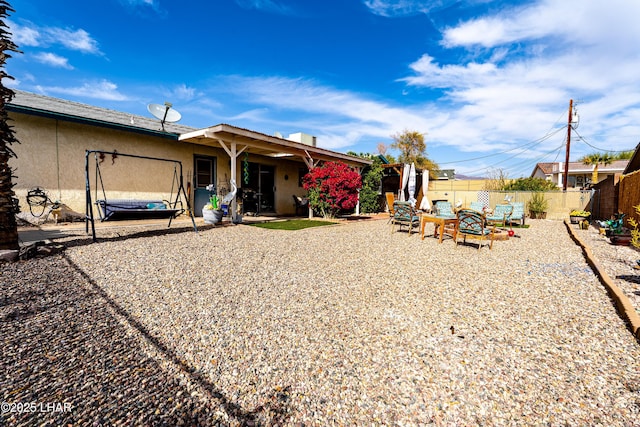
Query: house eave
[
  {"x": 262, "y": 144},
  {"x": 88, "y": 121}
]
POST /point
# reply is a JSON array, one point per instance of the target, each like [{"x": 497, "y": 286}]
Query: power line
[
  {"x": 599, "y": 149},
  {"x": 557, "y": 149},
  {"x": 523, "y": 147}
]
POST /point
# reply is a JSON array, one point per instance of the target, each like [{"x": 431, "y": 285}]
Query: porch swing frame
[{"x": 129, "y": 212}]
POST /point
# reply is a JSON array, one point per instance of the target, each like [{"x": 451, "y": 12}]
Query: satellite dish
[
  {"x": 164, "y": 112},
  {"x": 278, "y": 135}
]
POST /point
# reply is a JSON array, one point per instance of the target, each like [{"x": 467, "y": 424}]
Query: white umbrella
[
  {"x": 412, "y": 184},
  {"x": 405, "y": 180},
  {"x": 425, "y": 205}
]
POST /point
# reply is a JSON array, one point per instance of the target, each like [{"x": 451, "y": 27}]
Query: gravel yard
[{"x": 340, "y": 325}]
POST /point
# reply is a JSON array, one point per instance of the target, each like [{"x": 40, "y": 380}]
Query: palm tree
[
  {"x": 596, "y": 159},
  {"x": 8, "y": 205}
]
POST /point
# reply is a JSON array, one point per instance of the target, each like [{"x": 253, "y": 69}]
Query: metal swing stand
[{"x": 137, "y": 213}]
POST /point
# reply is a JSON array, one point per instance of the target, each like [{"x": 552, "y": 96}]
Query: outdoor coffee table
[{"x": 441, "y": 224}]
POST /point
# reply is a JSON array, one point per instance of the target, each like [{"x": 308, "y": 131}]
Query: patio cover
[{"x": 236, "y": 141}]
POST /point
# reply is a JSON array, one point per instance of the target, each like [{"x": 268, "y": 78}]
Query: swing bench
[{"x": 133, "y": 209}]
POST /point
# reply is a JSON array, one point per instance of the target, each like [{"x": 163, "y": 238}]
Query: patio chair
[
  {"x": 444, "y": 209},
  {"x": 472, "y": 224},
  {"x": 501, "y": 215},
  {"x": 390, "y": 199},
  {"x": 518, "y": 214},
  {"x": 404, "y": 215},
  {"x": 477, "y": 206}
]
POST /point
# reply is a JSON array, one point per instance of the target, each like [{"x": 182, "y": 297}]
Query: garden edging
[{"x": 623, "y": 305}]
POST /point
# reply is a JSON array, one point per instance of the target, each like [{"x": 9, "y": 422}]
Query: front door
[
  {"x": 259, "y": 191},
  {"x": 204, "y": 174}
]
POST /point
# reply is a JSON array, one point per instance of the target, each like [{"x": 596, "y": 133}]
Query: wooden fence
[{"x": 629, "y": 195}]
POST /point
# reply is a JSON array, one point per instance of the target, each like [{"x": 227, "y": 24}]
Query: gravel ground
[
  {"x": 619, "y": 262},
  {"x": 341, "y": 325}
]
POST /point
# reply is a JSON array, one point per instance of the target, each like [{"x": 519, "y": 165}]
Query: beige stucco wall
[
  {"x": 560, "y": 203},
  {"x": 51, "y": 155}
]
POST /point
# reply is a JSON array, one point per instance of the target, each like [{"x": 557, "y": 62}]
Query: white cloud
[
  {"x": 78, "y": 40},
  {"x": 103, "y": 90},
  {"x": 395, "y": 8},
  {"x": 351, "y": 116},
  {"x": 53, "y": 60},
  {"x": 142, "y": 6},
  {"x": 541, "y": 56},
  {"x": 139, "y": 2},
  {"x": 183, "y": 92},
  {"x": 578, "y": 22},
  {"x": 35, "y": 36},
  {"x": 23, "y": 35},
  {"x": 268, "y": 5}
]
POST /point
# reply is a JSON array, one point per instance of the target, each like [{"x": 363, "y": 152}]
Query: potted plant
[
  {"x": 211, "y": 212},
  {"x": 577, "y": 216},
  {"x": 618, "y": 233},
  {"x": 538, "y": 206}
]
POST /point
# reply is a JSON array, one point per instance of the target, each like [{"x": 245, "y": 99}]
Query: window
[{"x": 205, "y": 171}]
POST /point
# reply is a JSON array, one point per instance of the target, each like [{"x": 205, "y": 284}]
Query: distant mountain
[{"x": 459, "y": 176}]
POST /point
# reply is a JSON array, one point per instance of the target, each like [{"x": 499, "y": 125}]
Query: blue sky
[{"x": 487, "y": 82}]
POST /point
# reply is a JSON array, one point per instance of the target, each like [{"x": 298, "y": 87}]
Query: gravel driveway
[{"x": 340, "y": 325}]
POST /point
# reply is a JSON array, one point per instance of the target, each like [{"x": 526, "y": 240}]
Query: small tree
[
  {"x": 496, "y": 179},
  {"x": 371, "y": 179},
  {"x": 332, "y": 187},
  {"x": 413, "y": 149}
]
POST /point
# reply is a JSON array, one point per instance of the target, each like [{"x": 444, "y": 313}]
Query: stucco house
[
  {"x": 579, "y": 175},
  {"x": 55, "y": 135}
]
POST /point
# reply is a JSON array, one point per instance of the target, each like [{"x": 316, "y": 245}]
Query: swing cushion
[
  {"x": 121, "y": 209},
  {"x": 156, "y": 205}
]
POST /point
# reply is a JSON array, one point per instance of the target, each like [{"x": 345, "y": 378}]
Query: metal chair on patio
[
  {"x": 473, "y": 225},
  {"x": 404, "y": 214},
  {"x": 518, "y": 214},
  {"x": 501, "y": 215},
  {"x": 390, "y": 199},
  {"x": 444, "y": 209}
]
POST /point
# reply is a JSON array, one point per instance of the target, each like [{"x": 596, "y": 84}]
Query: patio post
[{"x": 233, "y": 153}]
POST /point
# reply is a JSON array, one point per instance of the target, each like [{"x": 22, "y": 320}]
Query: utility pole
[{"x": 566, "y": 162}]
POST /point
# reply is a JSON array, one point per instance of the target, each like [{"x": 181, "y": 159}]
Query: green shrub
[
  {"x": 538, "y": 203},
  {"x": 371, "y": 179},
  {"x": 531, "y": 184}
]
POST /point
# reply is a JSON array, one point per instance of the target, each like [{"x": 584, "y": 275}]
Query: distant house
[
  {"x": 579, "y": 175},
  {"x": 55, "y": 134},
  {"x": 446, "y": 174}
]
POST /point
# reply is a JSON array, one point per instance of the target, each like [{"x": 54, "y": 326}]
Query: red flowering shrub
[{"x": 332, "y": 187}]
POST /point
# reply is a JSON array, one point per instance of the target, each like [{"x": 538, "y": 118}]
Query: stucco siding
[{"x": 51, "y": 155}]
